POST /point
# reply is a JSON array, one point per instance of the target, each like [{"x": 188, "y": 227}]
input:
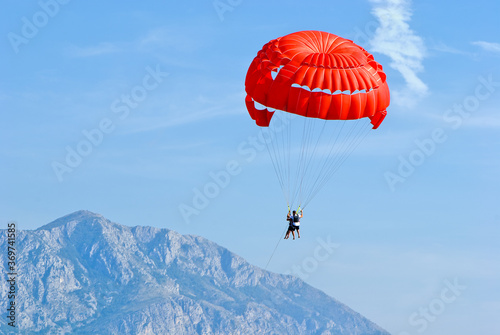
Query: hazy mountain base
[{"x": 85, "y": 274}]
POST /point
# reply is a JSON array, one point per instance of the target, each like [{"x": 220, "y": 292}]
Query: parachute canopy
[
  {"x": 325, "y": 93},
  {"x": 316, "y": 74}
]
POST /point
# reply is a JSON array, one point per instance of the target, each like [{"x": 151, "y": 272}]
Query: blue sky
[{"x": 152, "y": 94}]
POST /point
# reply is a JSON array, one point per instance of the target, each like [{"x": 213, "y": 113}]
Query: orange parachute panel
[{"x": 316, "y": 74}]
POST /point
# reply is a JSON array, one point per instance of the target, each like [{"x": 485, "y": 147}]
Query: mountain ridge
[{"x": 82, "y": 270}]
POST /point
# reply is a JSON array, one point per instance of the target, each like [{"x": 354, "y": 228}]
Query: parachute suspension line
[
  {"x": 274, "y": 160},
  {"x": 310, "y": 159},
  {"x": 285, "y": 138},
  {"x": 320, "y": 167},
  {"x": 278, "y": 146},
  {"x": 361, "y": 133},
  {"x": 333, "y": 152},
  {"x": 276, "y": 247},
  {"x": 282, "y": 135},
  {"x": 303, "y": 158},
  {"x": 298, "y": 158},
  {"x": 302, "y": 150},
  {"x": 304, "y": 164},
  {"x": 297, "y": 161},
  {"x": 350, "y": 143},
  {"x": 289, "y": 148},
  {"x": 307, "y": 136}
]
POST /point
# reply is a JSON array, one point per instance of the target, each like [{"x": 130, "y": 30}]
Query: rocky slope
[{"x": 84, "y": 274}]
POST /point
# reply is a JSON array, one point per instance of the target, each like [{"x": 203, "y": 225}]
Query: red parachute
[{"x": 315, "y": 80}]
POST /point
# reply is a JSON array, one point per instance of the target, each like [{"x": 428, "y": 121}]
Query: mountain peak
[{"x": 75, "y": 217}]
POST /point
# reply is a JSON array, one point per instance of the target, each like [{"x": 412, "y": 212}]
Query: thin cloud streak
[
  {"x": 441, "y": 47},
  {"x": 491, "y": 122},
  {"x": 395, "y": 39},
  {"x": 488, "y": 46},
  {"x": 92, "y": 51},
  {"x": 162, "y": 123},
  {"x": 158, "y": 39}
]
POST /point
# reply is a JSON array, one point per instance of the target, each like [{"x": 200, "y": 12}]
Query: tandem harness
[{"x": 294, "y": 222}]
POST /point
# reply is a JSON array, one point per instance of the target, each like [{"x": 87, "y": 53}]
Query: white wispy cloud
[
  {"x": 488, "y": 46},
  {"x": 488, "y": 121},
  {"x": 95, "y": 50},
  {"x": 444, "y": 48},
  {"x": 172, "y": 39},
  {"x": 397, "y": 40},
  {"x": 153, "y": 124}
]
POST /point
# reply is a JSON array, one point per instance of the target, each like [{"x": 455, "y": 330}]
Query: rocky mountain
[{"x": 83, "y": 274}]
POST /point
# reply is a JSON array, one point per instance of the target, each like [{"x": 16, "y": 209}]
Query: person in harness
[{"x": 293, "y": 224}]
